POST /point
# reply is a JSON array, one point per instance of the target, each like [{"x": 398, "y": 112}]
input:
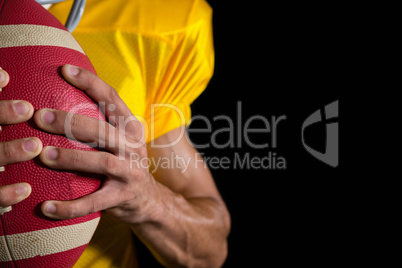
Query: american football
[{"x": 34, "y": 46}]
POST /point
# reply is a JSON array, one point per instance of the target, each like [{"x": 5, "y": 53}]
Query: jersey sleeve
[{"x": 187, "y": 70}]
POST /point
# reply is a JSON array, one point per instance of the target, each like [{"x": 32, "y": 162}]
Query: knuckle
[
  {"x": 127, "y": 197},
  {"x": 71, "y": 210},
  {"x": 8, "y": 150},
  {"x": 142, "y": 151},
  {"x": 3, "y": 199},
  {"x": 139, "y": 125},
  {"x": 91, "y": 79},
  {"x": 75, "y": 158},
  {"x": 129, "y": 140},
  {"x": 111, "y": 93},
  {"x": 139, "y": 131},
  {"x": 5, "y": 111},
  {"x": 93, "y": 206},
  {"x": 135, "y": 141},
  {"x": 8, "y": 114},
  {"x": 75, "y": 121},
  {"x": 110, "y": 164}
]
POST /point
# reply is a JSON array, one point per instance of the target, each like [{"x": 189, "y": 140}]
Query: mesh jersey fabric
[{"x": 159, "y": 56}]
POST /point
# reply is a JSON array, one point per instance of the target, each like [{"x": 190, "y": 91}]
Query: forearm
[{"x": 184, "y": 232}]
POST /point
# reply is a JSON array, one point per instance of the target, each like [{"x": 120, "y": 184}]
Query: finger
[
  {"x": 84, "y": 161},
  {"x": 14, "y": 193},
  {"x": 114, "y": 107},
  {"x": 13, "y": 112},
  {"x": 19, "y": 150},
  {"x": 80, "y": 207},
  {"x": 4, "y": 78},
  {"x": 96, "y": 88},
  {"x": 85, "y": 129}
]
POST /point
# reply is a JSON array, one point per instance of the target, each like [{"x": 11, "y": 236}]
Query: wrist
[{"x": 151, "y": 209}]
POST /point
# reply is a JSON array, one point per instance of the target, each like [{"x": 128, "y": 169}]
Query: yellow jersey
[{"x": 159, "y": 56}]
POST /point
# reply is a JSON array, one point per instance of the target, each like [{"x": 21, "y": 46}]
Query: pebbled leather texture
[{"x": 35, "y": 77}]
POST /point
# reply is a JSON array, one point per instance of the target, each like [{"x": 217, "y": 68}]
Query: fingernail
[
  {"x": 21, "y": 108},
  {"x": 48, "y": 117},
  {"x": 21, "y": 190},
  {"x": 50, "y": 208},
  {"x": 52, "y": 154},
  {"x": 72, "y": 70},
  {"x": 2, "y": 76},
  {"x": 30, "y": 145}
]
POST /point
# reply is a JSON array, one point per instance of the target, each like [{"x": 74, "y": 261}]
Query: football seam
[
  {"x": 7, "y": 245},
  {"x": 37, "y": 35},
  {"x": 12, "y": 247}
]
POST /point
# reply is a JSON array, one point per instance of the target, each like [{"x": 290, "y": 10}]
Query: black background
[{"x": 279, "y": 60}]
